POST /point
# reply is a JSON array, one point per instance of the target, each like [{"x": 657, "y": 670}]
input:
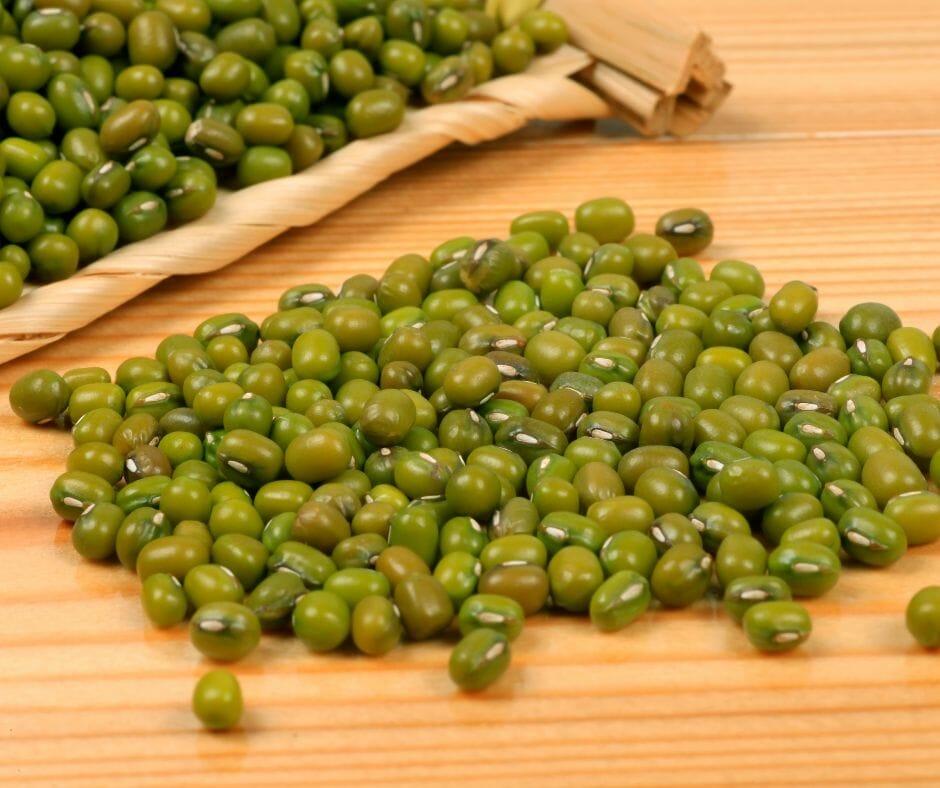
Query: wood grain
[
  {"x": 90, "y": 695},
  {"x": 834, "y": 67}
]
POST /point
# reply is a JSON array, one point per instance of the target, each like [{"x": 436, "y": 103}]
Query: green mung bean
[{"x": 391, "y": 460}]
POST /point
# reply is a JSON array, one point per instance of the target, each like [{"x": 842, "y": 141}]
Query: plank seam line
[
  {"x": 862, "y": 134},
  {"x": 755, "y": 136}
]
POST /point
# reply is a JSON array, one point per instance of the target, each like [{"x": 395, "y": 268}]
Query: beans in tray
[{"x": 123, "y": 118}]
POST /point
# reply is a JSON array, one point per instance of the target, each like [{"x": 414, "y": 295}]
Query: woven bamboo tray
[{"x": 245, "y": 219}]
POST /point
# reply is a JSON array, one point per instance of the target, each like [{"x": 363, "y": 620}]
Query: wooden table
[{"x": 823, "y": 166}]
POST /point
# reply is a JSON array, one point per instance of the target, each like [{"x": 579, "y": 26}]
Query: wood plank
[{"x": 90, "y": 695}]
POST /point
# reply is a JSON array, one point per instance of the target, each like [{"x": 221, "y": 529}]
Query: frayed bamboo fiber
[{"x": 659, "y": 72}]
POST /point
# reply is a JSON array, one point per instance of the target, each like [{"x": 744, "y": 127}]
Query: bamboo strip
[
  {"x": 648, "y": 110},
  {"x": 660, "y": 74},
  {"x": 705, "y": 95},
  {"x": 707, "y": 80},
  {"x": 708, "y": 68},
  {"x": 243, "y": 220},
  {"x": 689, "y": 115},
  {"x": 637, "y": 37}
]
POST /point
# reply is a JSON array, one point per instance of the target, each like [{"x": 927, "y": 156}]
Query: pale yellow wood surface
[
  {"x": 804, "y": 67},
  {"x": 90, "y": 695}
]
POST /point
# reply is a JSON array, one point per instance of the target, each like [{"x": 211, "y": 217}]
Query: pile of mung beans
[
  {"x": 578, "y": 419},
  {"x": 119, "y": 117}
]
